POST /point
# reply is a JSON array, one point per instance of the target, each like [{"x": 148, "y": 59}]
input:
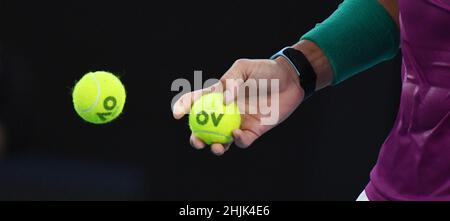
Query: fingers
[
  {"x": 229, "y": 83},
  {"x": 183, "y": 105},
  {"x": 244, "y": 138},
  {"x": 196, "y": 143},
  {"x": 217, "y": 149}
]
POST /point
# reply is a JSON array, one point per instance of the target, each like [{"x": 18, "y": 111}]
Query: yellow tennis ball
[
  {"x": 99, "y": 97},
  {"x": 212, "y": 121}
]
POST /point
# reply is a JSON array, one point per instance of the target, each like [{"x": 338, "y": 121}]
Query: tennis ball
[
  {"x": 99, "y": 97},
  {"x": 212, "y": 121}
]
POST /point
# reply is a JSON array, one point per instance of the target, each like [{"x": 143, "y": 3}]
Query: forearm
[
  {"x": 357, "y": 36},
  {"x": 319, "y": 60},
  {"x": 346, "y": 44}
]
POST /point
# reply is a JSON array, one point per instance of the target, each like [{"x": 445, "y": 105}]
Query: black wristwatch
[{"x": 303, "y": 68}]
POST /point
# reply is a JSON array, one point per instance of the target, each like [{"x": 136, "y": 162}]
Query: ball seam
[
  {"x": 96, "y": 99},
  {"x": 213, "y": 133}
]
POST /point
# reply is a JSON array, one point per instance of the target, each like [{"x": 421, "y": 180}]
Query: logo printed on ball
[
  {"x": 109, "y": 104},
  {"x": 203, "y": 117}
]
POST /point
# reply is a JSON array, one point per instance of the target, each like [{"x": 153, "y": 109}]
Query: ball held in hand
[
  {"x": 99, "y": 97},
  {"x": 212, "y": 121}
]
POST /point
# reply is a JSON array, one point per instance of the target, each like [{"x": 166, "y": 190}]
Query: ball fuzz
[
  {"x": 212, "y": 121},
  {"x": 99, "y": 97}
]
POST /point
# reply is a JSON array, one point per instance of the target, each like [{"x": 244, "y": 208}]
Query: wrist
[
  {"x": 318, "y": 61},
  {"x": 288, "y": 70},
  {"x": 302, "y": 67}
]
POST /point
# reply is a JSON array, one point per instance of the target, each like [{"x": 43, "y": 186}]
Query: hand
[{"x": 290, "y": 96}]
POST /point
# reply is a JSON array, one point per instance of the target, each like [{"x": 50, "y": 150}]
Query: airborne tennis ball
[
  {"x": 212, "y": 121},
  {"x": 99, "y": 97}
]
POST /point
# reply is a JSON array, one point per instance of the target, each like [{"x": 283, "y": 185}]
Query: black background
[{"x": 324, "y": 151}]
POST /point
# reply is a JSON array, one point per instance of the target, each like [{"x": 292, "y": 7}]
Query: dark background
[{"x": 324, "y": 151}]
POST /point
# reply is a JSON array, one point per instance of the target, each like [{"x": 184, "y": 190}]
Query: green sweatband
[{"x": 357, "y": 36}]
